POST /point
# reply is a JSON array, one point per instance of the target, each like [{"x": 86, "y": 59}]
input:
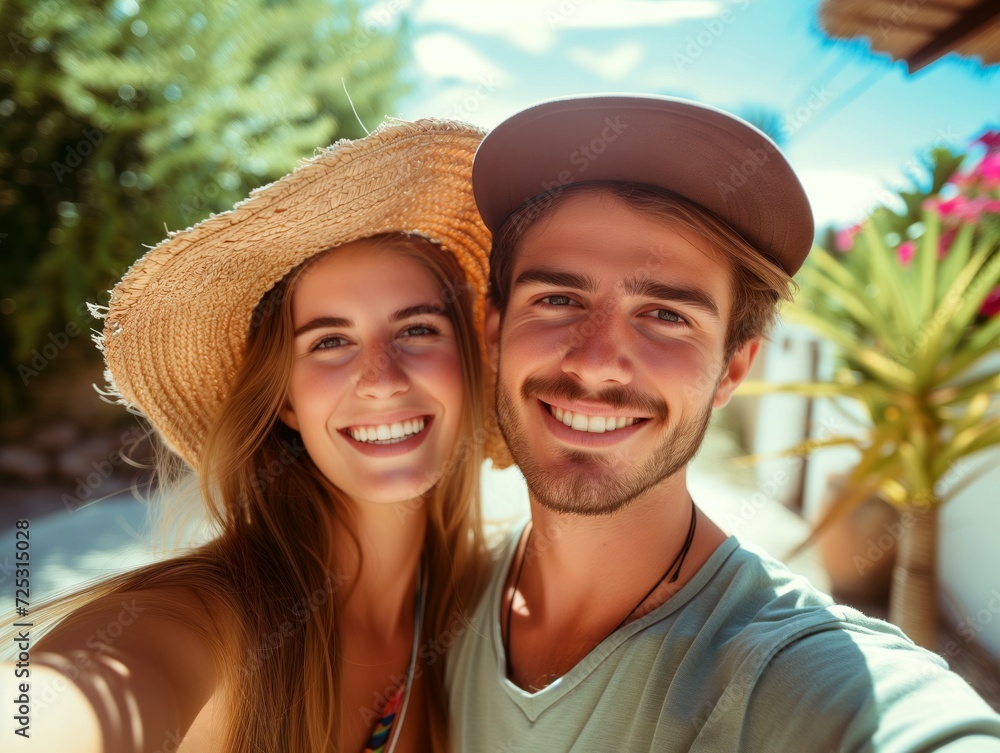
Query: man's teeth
[
  {"x": 387, "y": 433},
  {"x": 595, "y": 424}
]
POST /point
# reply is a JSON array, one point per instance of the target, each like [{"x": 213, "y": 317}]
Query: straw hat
[{"x": 176, "y": 327}]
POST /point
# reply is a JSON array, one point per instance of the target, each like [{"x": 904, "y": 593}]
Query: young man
[{"x": 641, "y": 245}]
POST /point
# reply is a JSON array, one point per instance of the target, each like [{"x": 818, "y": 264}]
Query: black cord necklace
[{"x": 677, "y": 563}]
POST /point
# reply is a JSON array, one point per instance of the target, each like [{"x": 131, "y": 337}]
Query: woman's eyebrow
[
  {"x": 419, "y": 309},
  {"x": 323, "y": 321}
]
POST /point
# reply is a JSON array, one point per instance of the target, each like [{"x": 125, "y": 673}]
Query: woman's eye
[{"x": 329, "y": 343}]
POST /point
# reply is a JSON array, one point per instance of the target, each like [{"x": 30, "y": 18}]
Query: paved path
[{"x": 69, "y": 549}]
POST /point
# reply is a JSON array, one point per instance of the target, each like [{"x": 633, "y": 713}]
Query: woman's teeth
[
  {"x": 595, "y": 424},
  {"x": 387, "y": 433}
]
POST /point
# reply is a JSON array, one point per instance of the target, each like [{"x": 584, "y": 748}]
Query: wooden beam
[{"x": 966, "y": 25}]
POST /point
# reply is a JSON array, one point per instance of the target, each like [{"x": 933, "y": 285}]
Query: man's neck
[{"x": 581, "y": 576}]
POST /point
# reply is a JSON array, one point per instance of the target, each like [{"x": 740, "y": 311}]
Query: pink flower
[
  {"x": 953, "y": 207},
  {"x": 844, "y": 240},
  {"x": 991, "y": 140},
  {"x": 973, "y": 208},
  {"x": 905, "y": 252},
  {"x": 945, "y": 241},
  {"x": 991, "y": 306},
  {"x": 989, "y": 170},
  {"x": 960, "y": 207},
  {"x": 964, "y": 181}
]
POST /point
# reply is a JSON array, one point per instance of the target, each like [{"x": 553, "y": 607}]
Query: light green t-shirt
[{"x": 745, "y": 657}]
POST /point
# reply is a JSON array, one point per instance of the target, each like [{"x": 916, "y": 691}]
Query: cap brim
[{"x": 704, "y": 154}]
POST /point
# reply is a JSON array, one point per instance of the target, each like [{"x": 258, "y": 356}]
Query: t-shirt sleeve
[{"x": 852, "y": 688}]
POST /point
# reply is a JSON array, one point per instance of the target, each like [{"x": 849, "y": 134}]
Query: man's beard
[{"x": 584, "y": 493}]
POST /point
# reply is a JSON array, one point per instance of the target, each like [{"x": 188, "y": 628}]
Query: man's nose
[{"x": 596, "y": 352}]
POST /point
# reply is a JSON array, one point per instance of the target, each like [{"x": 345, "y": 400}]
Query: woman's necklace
[
  {"x": 411, "y": 669},
  {"x": 677, "y": 563}
]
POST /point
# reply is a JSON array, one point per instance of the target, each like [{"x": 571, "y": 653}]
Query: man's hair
[{"x": 759, "y": 283}]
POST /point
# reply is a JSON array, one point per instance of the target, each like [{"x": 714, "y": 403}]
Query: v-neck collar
[{"x": 535, "y": 704}]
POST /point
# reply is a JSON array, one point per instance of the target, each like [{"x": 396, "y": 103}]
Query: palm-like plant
[{"x": 913, "y": 308}]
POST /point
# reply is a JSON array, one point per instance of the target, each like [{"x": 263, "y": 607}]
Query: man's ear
[
  {"x": 736, "y": 371},
  {"x": 288, "y": 417},
  {"x": 492, "y": 334}
]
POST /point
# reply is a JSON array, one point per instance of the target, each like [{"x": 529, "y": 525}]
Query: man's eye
[
  {"x": 557, "y": 300},
  {"x": 420, "y": 330},
  {"x": 666, "y": 315}
]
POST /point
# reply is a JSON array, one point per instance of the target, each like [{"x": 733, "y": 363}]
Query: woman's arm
[{"x": 127, "y": 674}]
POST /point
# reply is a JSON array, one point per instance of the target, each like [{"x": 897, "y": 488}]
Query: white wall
[
  {"x": 782, "y": 418},
  {"x": 969, "y": 555},
  {"x": 969, "y": 549}
]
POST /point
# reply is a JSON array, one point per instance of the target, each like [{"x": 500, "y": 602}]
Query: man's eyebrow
[
  {"x": 557, "y": 278},
  {"x": 321, "y": 322},
  {"x": 649, "y": 288}
]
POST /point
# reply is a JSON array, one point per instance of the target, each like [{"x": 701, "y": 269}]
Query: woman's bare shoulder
[
  {"x": 186, "y": 599},
  {"x": 158, "y": 651}
]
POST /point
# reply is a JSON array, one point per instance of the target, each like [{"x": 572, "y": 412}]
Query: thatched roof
[{"x": 918, "y": 31}]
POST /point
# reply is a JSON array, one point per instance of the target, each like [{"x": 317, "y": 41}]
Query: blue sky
[{"x": 857, "y": 122}]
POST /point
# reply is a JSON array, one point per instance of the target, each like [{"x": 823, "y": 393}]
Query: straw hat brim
[{"x": 176, "y": 326}]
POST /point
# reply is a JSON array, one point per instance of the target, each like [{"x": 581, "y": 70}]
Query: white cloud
[
  {"x": 520, "y": 22},
  {"x": 444, "y": 56},
  {"x": 463, "y": 102},
  {"x": 532, "y": 26},
  {"x": 839, "y": 197},
  {"x": 385, "y": 13},
  {"x": 629, "y": 14},
  {"x": 612, "y": 65}
]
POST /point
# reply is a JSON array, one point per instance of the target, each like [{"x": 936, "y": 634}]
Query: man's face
[{"x": 610, "y": 353}]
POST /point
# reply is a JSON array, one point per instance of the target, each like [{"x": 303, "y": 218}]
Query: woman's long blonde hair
[{"x": 268, "y": 576}]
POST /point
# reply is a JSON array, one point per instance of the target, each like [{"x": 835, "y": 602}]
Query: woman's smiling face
[{"x": 376, "y": 379}]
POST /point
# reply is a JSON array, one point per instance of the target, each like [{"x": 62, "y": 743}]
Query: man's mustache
[{"x": 621, "y": 398}]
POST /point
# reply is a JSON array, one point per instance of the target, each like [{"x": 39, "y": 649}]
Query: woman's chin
[{"x": 406, "y": 494}]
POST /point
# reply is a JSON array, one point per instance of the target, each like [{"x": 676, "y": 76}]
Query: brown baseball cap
[{"x": 706, "y": 155}]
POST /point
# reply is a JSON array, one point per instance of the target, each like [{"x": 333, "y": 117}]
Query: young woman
[{"x": 315, "y": 357}]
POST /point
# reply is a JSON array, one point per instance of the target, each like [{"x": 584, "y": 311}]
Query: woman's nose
[{"x": 382, "y": 373}]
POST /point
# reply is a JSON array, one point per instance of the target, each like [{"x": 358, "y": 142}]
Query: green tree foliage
[{"x": 119, "y": 120}]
